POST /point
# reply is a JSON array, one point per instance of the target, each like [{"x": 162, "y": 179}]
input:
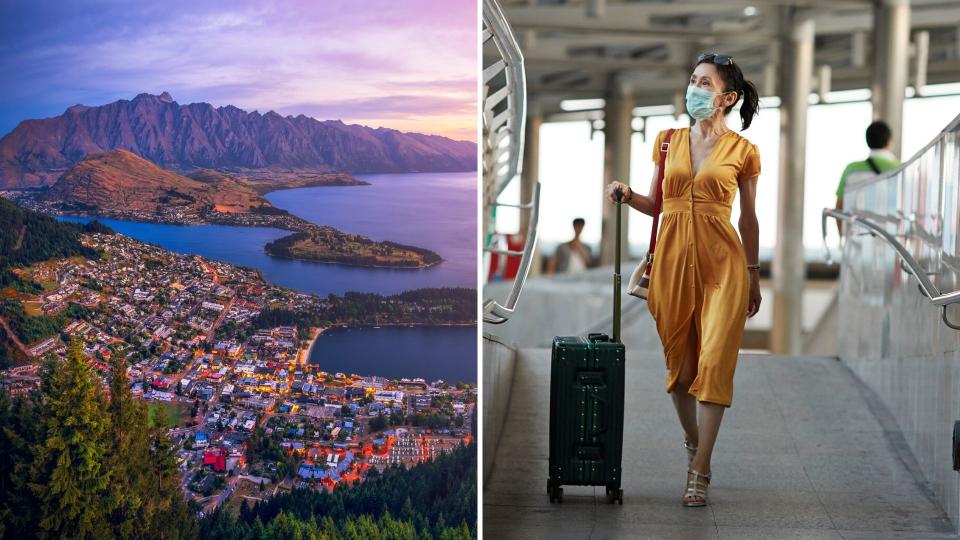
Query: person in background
[
  {"x": 881, "y": 159},
  {"x": 572, "y": 256}
]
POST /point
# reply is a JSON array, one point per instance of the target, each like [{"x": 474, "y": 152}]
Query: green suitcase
[{"x": 586, "y": 406}]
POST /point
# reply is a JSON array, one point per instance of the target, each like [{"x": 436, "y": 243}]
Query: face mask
[{"x": 700, "y": 102}]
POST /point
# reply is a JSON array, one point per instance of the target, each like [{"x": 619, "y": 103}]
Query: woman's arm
[
  {"x": 749, "y": 225},
  {"x": 750, "y": 234},
  {"x": 643, "y": 203}
]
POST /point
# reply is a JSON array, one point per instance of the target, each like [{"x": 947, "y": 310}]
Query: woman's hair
[{"x": 733, "y": 81}]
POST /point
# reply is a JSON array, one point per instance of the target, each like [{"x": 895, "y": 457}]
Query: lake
[
  {"x": 430, "y": 352},
  {"x": 436, "y": 211}
]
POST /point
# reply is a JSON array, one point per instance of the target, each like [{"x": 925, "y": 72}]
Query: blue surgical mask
[{"x": 700, "y": 102}]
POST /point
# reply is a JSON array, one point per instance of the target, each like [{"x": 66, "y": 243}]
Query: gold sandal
[
  {"x": 691, "y": 451},
  {"x": 696, "y": 494}
]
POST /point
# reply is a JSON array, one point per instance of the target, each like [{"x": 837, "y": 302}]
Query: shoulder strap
[
  {"x": 873, "y": 165},
  {"x": 658, "y": 201}
]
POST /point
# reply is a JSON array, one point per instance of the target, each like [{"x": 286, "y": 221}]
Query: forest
[
  {"x": 432, "y": 500},
  {"x": 436, "y": 306},
  {"x": 79, "y": 464},
  {"x": 27, "y": 237},
  {"x": 429, "y": 257}
]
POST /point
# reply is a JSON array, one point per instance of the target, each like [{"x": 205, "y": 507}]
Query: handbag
[{"x": 639, "y": 284}]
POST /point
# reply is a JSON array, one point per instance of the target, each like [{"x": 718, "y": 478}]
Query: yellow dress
[{"x": 699, "y": 274}]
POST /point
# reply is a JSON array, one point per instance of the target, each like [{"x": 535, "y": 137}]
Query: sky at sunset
[{"x": 407, "y": 65}]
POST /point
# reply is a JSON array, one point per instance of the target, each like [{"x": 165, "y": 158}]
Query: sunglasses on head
[{"x": 719, "y": 59}]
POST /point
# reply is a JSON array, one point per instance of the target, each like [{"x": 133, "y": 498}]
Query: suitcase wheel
[
  {"x": 556, "y": 495},
  {"x": 614, "y": 495}
]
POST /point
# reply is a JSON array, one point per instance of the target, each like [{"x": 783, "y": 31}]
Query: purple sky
[{"x": 409, "y": 65}]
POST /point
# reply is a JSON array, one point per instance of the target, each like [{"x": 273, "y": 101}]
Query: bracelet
[{"x": 753, "y": 267}]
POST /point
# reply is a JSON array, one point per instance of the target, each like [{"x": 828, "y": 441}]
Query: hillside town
[{"x": 251, "y": 415}]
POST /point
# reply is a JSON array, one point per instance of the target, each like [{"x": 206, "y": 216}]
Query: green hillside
[{"x": 27, "y": 237}]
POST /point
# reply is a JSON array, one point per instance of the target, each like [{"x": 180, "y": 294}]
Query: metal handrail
[
  {"x": 493, "y": 312},
  {"x": 511, "y": 64},
  {"x": 927, "y": 287},
  {"x": 503, "y": 150}
]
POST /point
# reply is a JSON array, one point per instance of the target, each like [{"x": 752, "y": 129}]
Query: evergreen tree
[
  {"x": 20, "y": 430},
  {"x": 68, "y": 475},
  {"x": 172, "y": 518},
  {"x": 328, "y": 529},
  {"x": 128, "y": 453}
]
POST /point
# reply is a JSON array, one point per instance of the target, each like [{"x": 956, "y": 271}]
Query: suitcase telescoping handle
[{"x": 616, "y": 273}]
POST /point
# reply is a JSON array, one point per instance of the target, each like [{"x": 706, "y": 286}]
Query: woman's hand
[
  {"x": 753, "y": 302},
  {"x": 612, "y": 191}
]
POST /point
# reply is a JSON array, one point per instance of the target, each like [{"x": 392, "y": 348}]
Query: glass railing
[{"x": 915, "y": 211}]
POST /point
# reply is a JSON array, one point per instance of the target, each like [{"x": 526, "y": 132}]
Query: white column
[
  {"x": 617, "y": 131},
  {"x": 891, "y": 51},
  {"x": 789, "y": 268}
]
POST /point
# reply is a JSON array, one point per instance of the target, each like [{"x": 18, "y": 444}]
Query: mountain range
[{"x": 200, "y": 136}]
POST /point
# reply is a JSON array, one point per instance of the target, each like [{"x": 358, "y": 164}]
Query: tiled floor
[{"x": 801, "y": 454}]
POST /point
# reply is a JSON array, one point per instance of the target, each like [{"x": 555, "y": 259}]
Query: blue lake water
[
  {"x": 436, "y": 211},
  {"x": 437, "y": 352}
]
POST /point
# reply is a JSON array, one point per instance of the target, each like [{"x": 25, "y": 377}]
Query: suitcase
[{"x": 586, "y": 406}]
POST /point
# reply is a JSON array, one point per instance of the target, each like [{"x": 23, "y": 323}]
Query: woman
[{"x": 704, "y": 282}]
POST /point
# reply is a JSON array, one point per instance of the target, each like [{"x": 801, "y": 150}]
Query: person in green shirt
[{"x": 881, "y": 159}]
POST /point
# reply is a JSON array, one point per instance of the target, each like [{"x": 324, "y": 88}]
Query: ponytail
[{"x": 751, "y": 104}]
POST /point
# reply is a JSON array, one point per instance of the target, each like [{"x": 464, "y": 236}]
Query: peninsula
[{"x": 119, "y": 184}]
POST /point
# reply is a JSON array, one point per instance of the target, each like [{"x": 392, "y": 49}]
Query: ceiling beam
[
  {"x": 660, "y": 92},
  {"x": 633, "y": 20},
  {"x": 663, "y": 34},
  {"x": 640, "y": 12},
  {"x": 846, "y": 23}
]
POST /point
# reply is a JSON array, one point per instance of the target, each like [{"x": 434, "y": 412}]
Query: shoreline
[
  {"x": 318, "y": 261},
  {"x": 381, "y": 325},
  {"x": 96, "y": 217},
  {"x": 370, "y": 327},
  {"x": 317, "y": 332}
]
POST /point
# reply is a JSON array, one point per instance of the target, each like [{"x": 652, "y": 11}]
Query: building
[{"x": 388, "y": 396}]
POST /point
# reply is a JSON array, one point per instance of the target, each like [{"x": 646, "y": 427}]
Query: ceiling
[{"x": 583, "y": 48}]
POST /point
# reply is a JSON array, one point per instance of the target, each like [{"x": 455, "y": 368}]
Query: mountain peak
[
  {"x": 36, "y": 153},
  {"x": 164, "y": 97}
]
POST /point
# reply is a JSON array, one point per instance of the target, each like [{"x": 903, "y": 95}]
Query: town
[{"x": 250, "y": 413}]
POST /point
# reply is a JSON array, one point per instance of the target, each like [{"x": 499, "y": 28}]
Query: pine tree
[
  {"x": 68, "y": 475},
  {"x": 20, "y": 430},
  {"x": 172, "y": 518},
  {"x": 128, "y": 454},
  {"x": 329, "y": 529}
]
